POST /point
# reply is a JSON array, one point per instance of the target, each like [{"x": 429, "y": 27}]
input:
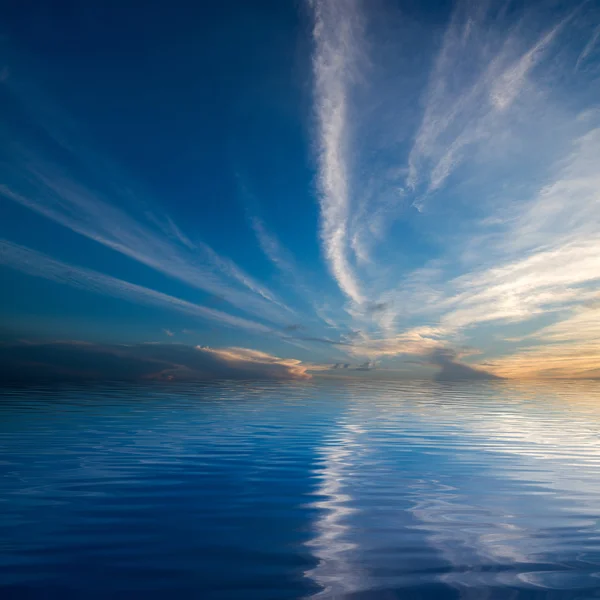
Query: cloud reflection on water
[{"x": 502, "y": 483}]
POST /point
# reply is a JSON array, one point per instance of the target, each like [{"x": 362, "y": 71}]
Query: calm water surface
[{"x": 301, "y": 490}]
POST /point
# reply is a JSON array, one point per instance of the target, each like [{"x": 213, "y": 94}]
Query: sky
[{"x": 300, "y": 188}]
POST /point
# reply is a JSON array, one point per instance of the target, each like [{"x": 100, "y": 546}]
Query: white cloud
[
  {"x": 237, "y": 356},
  {"x": 549, "y": 256},
  {"x": 337, "y": 39},
  {"x": 507, "y": 86},
  {"x": 271, "y": 247},
  {"x": 589, "y": 47},
  {"x": 478, "y": 74}
]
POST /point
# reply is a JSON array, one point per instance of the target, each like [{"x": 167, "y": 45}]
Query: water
[{"x": 301, "y": 490}]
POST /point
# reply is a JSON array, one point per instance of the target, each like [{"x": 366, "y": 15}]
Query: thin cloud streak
[
  {"x": 39, "y": 265},
  {"x": 336, "y": 35},
  {"x": 292, "y": 275},
  {"x": 87, "y": 194},
  {"x": 78, "y": 209},
  {"x": 283, "y": 261},
  {"x": 589, "y": 47},
  {"x": 453, "y": 119},
  {"x": 271, "y": 247},
  {"x": 229, "y": 268},
  {"x": 508, "y": 86}
]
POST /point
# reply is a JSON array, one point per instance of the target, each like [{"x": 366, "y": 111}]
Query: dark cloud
[
  {"x": 294, "y": 327},
  {"x": 369, "y": 365},
  {"x": 454, "y": 370},
  {"x": 375, "y": 307},
  {"x": 352, "y": 334},
  {"x": 366, "y": 366},
  {"x": 24, "y": 362}
]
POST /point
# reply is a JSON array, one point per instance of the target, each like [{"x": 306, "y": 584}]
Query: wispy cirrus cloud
[
  {"x": 480, "y": 71},
  {"x": 360, "y": 192},
  {"x": 61, "y": 177},
  {"x": 229, "y": 268},
  {"x": 84, "y": 212},
  {"x": 337, "y": 39},
  {"x": 545, "y": 259},
  {"x": 588, "y": 48},
  {"x": 544, "y": 264},
  {"x": 293, "y": 276},
  {"x": 279, "y": 256},
  {"x": 271, "y": 247},
  {"x": 39, "y": 265}
]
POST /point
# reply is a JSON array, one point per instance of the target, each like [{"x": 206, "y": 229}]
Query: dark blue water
[{"x": 300, "y": 490}]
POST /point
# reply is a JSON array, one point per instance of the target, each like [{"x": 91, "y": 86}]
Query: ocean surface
[{"x": 289, "y": 490}]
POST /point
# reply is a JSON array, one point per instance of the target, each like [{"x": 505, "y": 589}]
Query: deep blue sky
[{"x": 390, "y": 185}]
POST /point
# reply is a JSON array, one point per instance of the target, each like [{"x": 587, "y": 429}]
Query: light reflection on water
[{"x": 299, "y": 490}]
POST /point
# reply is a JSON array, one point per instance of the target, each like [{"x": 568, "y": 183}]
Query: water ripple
[{"x": 298, "y": 490}]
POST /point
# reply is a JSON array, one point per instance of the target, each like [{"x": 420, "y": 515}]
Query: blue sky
[{"x": 391, "y": 186}]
